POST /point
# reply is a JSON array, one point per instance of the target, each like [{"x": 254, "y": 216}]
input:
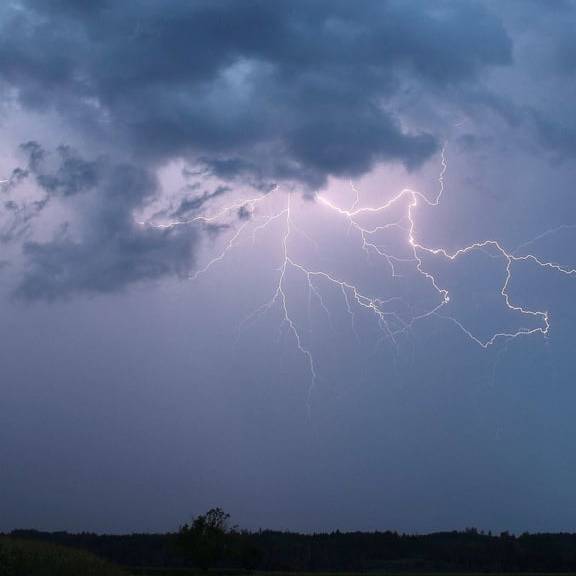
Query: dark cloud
[
  {"x": 74, "y": 175},
  {"x": 20, "y": 219},
  {"x": 112, "y": 251},
  {"x": 110, "y": 261},
  {"x": 558, "y": 136},
  {"x": 22, "y": 212},
  {"x": 548, "y": 62},
  {"x": 244, "y": 213},
  {"x": 255, "y": 91},
  {"x": 308, "y": 80},
  {"x": 17, "y": 176},
  {"x": 194, "y": 203}
]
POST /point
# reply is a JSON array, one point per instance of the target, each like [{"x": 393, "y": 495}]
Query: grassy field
[
  {"x": 28, "y": 558},
  {"x": 33, "y": 558}
]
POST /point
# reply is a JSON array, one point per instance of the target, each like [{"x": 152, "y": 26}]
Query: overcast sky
[{"x": 229, "y": 267}]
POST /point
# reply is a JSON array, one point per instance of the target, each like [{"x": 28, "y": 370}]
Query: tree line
[{"x": 209, "y": 542}]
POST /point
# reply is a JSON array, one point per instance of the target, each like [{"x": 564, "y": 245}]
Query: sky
[{"x": 310, "y": 261}]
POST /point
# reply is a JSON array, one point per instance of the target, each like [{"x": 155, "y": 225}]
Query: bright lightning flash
[{"x": 389, "y": 322}]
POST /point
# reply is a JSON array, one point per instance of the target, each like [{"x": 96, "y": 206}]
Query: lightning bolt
[
  {"x": 248, "y": 203},
  {"x": 417, "y": 249},
  {"x": 391, "y": 324}
]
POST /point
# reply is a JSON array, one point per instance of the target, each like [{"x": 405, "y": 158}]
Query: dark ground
[{"x": 353, "y": 552}]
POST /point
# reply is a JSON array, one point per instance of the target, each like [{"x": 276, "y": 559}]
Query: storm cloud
[
  {"x": 287, "y": 89},
  {"x": 109, "y": 250},
  {"x": 256, "y": 92}
]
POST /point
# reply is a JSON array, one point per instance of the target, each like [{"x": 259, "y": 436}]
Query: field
[
  {"x": 33, "y": 558},
  {"x": 27, "y": 558}
]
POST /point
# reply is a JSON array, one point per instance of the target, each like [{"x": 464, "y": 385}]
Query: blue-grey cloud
[
  {"x": 112, "y": 251},
  {"x": 258, "y": 91},
  {"x": 308, "y": 80},
  {"x": 191, "y": 204}
]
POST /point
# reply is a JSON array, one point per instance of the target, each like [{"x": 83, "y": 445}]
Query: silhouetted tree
[{"x": 205, "y": 539}]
